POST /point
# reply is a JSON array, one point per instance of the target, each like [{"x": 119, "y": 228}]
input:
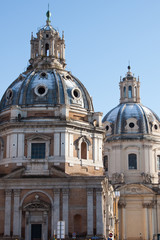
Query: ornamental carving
[
  {"x": 36, "y": 205},
  {"x": 118, "y": 177},
  {"x": 147, "y": 178}
]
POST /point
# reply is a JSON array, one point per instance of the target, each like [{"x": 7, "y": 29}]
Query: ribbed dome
[
  {"x": 130, "y": 120},
  {"x": 49, "y": 87}
]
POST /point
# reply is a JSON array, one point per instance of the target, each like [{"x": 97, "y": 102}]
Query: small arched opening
[
  {"x": 105, "y": 163},
  {"x": 124, "y": 92},
  {"x": 83, "y": 150},
  {"x": 47, "y": 49},
  {"x": 129, "y": 92}
]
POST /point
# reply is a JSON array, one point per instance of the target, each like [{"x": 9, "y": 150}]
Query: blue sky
[{"x": 101, "y": 37}]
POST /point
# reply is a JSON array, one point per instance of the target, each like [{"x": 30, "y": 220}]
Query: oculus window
[
  {"x": 132, "y": 161},
  {"x": 38, "y": 150}
]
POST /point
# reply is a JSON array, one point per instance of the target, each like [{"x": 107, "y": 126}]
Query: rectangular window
[
  {"x": 158, "y": 162},
  {"x": 132, "y": 161},
  {"x": 38, "y": 150}
]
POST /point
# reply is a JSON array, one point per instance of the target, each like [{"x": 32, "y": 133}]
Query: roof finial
[
  {"x": 129, "y": 66},
  {"x": 48, "y": 14}
]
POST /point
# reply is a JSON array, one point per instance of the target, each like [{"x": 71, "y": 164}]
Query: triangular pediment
[
  {"x": 135, "y": 189},
  {"x": 17, "y": 173}
]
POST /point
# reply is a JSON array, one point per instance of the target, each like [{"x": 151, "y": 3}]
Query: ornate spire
[{"x": 48, "y": 14}]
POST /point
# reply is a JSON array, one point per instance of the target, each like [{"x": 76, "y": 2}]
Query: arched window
[
  {"x": 135, "y": 91},
  {"x": 78, "y": 224},
  {"x": 47, "y": 49},
  {"x": 129, "y": 92},
  {"x": 83, "y": 150},
  {"x": 124, "y": 91},
  {"x": 158, "y": 162},
  {"x": 105, "y": 163},
  {"x": 132, "y": 161},
  {"x": 1, "y": 148}
]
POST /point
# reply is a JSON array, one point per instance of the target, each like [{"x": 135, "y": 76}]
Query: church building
[
  {"x": 132, "y": 161},
  {"x": 51, "y": 165}
]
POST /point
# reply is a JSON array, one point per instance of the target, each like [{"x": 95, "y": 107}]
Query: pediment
[
  {"x": 135, "y": 189},
  {"x": 17, "y": 173}
]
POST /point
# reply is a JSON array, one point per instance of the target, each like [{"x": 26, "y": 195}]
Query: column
[
  {"x": 65, "y": 209},
  {"x": 123, "y": 220},
  {"x": 56, "y": 216},
  {"x": 16, "y": 217},
  {"x": 90, "y": 212},
  {"x": 99, "y": 212},
  {"x": 7, "y": 223}
]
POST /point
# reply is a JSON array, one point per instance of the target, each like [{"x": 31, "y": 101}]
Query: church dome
[
  {"x": 46, "y": 87},
  {"x": 46, "y": 82},
  {"x": 130, "y": 119}
]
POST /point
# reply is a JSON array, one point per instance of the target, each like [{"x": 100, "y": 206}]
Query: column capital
[
  {"x": 122, "y": 204},
  {"x": 149, "y": 204},
  {"x": 56, "y": 190},
  {"x": 8, "y": 192},
  {"x": 65, "y": 191},
  {"x": 99, "y": 190},
  {"x": 89, "y": 190},
  {"x": 16, "y": 192}
]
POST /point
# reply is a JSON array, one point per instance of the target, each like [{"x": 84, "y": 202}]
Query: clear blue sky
[{"x": 101, "y": 36}]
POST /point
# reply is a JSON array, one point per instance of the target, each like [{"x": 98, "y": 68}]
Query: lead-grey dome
[
  {"x": 48, "y": 87},
  {"x": 130, "y": 120}
]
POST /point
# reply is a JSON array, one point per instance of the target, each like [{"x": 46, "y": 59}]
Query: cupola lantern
[
  {"x": 48, "y": 48},
  {"x": 129, "y": 88}
]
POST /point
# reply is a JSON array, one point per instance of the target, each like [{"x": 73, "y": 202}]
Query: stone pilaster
[
  {"x": 90, "y": 211},
  {"x": 122, "y": 205},
  {"x": 145, "y": 221},
  {"x": 99, "y": 212},
  {"x": 16, "y": 217},
  {"x": 7, "y": 223},
  {"x": 65, "y": 209},
  {"x": 56, "y": 213}
]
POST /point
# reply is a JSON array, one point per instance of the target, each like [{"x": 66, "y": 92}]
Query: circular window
[
  {"x": 9, "y": 94},
  {"x": 43, "y": 75},
  {"x": 76, "y": 93},
  {"x": 107, "y": 127},
  {"x": 155, "y": 127},
  {"x": 131, "y": 125},
  {"x": 41, "y": 90}
]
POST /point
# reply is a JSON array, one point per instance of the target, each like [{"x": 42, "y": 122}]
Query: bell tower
[
  {"x": 129, "y": 88},
  {"x": 48, "y": 48}
]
